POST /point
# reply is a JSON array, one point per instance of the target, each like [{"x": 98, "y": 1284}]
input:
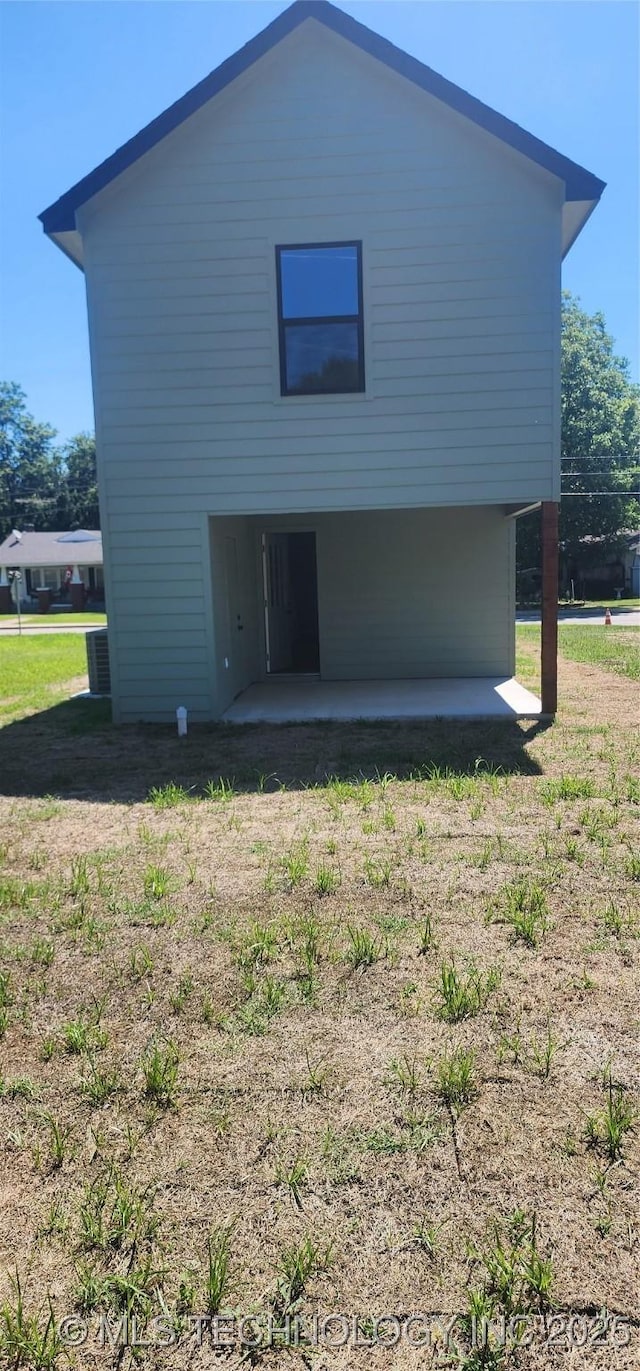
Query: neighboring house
[
  {"x": 616, "y": 574},
  {"x": 632, "y": 565},
  {"x": 324, "y": 312},
  {"x": 58, "y": 568}
]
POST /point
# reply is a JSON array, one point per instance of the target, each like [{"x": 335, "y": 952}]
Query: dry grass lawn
[{"x": 320, "y": 1037}]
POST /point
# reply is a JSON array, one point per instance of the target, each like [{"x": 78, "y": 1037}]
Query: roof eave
[
  {"x": 70, "y": 242},
  {"x": 575, "y": 214}
]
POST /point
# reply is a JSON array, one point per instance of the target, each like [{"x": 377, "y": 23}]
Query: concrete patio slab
[{"x": 281, "y": 701}]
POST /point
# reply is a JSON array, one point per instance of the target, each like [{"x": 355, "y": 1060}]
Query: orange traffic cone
[{"x": 607, "y": 616}]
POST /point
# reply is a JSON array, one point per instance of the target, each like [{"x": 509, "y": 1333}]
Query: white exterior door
[
  {"x": 278, "y": 606},
  {"x": 233, "y": 626}
]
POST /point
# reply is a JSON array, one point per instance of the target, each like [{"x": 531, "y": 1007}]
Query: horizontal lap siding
[
  {"x": 410, "y": 593},
  {"x": 417, "y": 593},
  {"x": 158, "y": 615},
  {"x": 461, "y": 297},
  {"x": 364, "y": 493}
]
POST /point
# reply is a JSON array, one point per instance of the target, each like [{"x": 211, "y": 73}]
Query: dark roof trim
[{"x": 580, "y": 184}]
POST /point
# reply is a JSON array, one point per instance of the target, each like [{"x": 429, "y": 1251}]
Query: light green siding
[
  {"x": 461, "y": 274},
  {"x": 416, "y": 593},
  {"x": 236, "y": 609}
]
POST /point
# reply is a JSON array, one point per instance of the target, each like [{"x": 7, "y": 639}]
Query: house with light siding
[
  {"x": 323, "y": 292},
  {"x": 62, "y": 569}
]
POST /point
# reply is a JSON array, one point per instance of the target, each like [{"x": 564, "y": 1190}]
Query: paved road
[{"x": 625, "y": 618}]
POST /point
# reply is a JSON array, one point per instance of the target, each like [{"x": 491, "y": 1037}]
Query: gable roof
[
  {"x": 80, "y": 545},
  {"x": 581, "y": 185}
]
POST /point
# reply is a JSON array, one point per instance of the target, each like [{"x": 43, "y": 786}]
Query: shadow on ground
[{"x": 74, "y": 751}]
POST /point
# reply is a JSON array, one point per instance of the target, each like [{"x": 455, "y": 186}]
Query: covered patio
[
  {"x": 373, "y": 614},
  {"x": 302, "y": 700}
]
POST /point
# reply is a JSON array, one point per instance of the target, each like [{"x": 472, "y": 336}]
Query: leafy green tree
[
  {"x": 30, "y": 466},
  {"x": 41, "y": 485},
  {"x": 600, "y": 445},
  {"x": 78, "y": 507}
]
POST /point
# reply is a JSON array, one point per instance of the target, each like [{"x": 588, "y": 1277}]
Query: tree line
[
  {"x": 51, "y": 487},
  {"x": 600, "y": 447},
  {"x": 43, "y": 485}
]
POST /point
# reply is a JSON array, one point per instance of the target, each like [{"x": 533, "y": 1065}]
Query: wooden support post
[{"x": 549, "y": 643}]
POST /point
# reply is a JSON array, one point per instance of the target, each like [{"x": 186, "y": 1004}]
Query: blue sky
[{"x": 79, "y": 79}]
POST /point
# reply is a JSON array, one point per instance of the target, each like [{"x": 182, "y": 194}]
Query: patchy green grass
[
  {"x": 36, "y": 672},
  {"x": 336, "y": 1017},
  {"x": 52, "y": 620},
  {"x": 612, "y": 648}
]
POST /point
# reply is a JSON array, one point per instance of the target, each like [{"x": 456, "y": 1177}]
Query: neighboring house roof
[
  {"x": 624, "y": 535},
  {"x": 80, "y": 546},
  {"x": 595, "y": 540},
  {"x": 582, "y": 188}
]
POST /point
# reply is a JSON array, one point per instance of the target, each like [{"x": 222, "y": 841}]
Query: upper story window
[{"x": 320, "y": 318}]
